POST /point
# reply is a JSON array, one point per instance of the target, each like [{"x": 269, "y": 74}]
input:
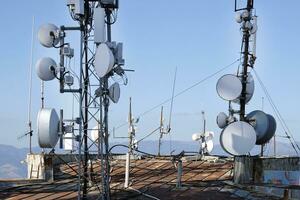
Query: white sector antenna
[
  {"x": 104, "y": 60},
  {"x": 48, "y": 35},
  {"x": 229, "y": 87},
  {"x": 238, "y": 138},
  {"x": 45, "y": 69},
  {"x": 47, "y": 127},
  {"x": 114, "y": 92}
]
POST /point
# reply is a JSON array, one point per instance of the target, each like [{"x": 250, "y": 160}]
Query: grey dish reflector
[
  {"x": 264, "y": 125},
  {"x": 47, "y": 128},
  {"x": 229, "y": 87},
  {"x": 250, "y": 86},
  {"x": 43, "y": 68},
  {"x": 47, "y": 35},
  {"x": 238, "y": 138}
]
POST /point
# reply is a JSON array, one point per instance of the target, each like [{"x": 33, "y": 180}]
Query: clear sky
[{"x": 198, "y": 38}]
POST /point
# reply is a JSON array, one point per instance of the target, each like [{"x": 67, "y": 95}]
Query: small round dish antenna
[
  {"x": 47, "y": 127},
  {"x": 238, "y": 138},
  {"x": 238, "y": 17},
  {"x": 229, "y": 87},
  {"x": 114, "y": 92},
  {"x": 222, "y": 121},
  {"x": 47, "y": 35},
  {"x": 104, "y": 60},
  {"x": 46, "y": 69},
  {"x": 264, "y": 125},
  {"x": 250, "y": 86}
]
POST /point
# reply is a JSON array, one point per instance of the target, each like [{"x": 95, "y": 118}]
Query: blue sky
[{"x": 198, "y": 39}]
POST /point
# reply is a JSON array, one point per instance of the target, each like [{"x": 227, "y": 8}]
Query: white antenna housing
[
  {"x": 47, "y": 128},
  {"x": 48, "y": 35},
  {"x": 229, "y": 87},
  {"x": 99, "y": 30},
  {"x": 45, "y": 69},
  {"x": 104, "y": 60},
  {"x": 238, "y": 138}
]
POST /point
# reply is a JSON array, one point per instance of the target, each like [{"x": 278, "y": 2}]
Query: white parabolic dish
[
  {"x": 229, "y": 87},
  {"x": 238, "y": 138},
  {"x": 44, "y": 35},
  {"x": 43, "y": 70},
  {"x": 104, "y": 60},
  {"x": 47, "y": 127}
]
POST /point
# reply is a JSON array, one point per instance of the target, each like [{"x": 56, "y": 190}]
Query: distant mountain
[
  {"x": 10, "y": 162},
  {"x": 11, "y": 157}
]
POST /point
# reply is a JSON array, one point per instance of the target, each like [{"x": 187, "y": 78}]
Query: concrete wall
[{"x": 271, "y": 174}]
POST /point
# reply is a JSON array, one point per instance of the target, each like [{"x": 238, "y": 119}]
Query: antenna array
[
  {"x": 239, "y": 137},
  {"x": 100, "y": 59}
]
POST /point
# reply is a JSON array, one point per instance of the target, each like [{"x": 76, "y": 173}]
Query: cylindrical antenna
[{"x": 30, "y": 85}]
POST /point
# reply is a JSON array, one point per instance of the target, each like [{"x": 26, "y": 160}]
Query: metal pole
[
  {"x": 106, "y": 107},
  {"x": 246, "y": 40},
  {"x": 161, "y": 130},
  {"x": 179, "y": 174},
  {"x": 80, "y": 111},
  {"x": 30, "y": 87},
  {"x": 127, "y": 169}
]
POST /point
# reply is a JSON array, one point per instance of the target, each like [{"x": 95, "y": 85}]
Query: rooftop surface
[{"x": 149, "y": 179}]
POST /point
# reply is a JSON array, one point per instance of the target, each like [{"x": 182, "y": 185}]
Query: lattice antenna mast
[{"x": 100, "y": 59}]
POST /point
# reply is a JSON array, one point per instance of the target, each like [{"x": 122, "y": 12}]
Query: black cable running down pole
[{"x": 246, "y": 40}]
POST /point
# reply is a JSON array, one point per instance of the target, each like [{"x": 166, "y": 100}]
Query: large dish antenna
[
  {"x": 114, "y": 92},
  {"x": 48, "y": 35},
  {"x": 264, "y": 125},
  {"x": 250, "y": 86},
  {"x": 47, "y": 127},
  {"x": 229, "y": 87},
  {"x": 104, "y": 60},
  {"x": 46, "y": 69},
  {"x": 238, "y": 138}
]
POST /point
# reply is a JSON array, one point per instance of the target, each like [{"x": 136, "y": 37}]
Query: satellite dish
[
  {"x": 47, "y": 127},
  {"x": 238, "y": 138},
  {"x": 222, "y": 120},
  {"x": 47, "y": 35},
  {"x": 229, "y": 87},
  {"x": 250, "y": 86},
  {"x": 114, "y": 92},
  {"x": 264, "y": 125},
  {"x": 45, "y": 69},
  {"x": 104, "y": 60},
  {"x": 196, "y": 137}
]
